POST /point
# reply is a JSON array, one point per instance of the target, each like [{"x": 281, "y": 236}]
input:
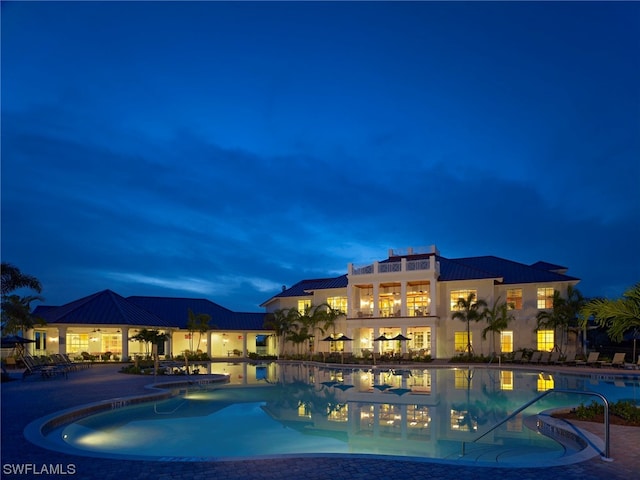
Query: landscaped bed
[{"x": 624, "y": 412}]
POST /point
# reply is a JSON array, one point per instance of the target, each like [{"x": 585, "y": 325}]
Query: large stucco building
[{"x": 412, "y": 293}]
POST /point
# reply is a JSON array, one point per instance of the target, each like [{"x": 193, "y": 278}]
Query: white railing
[
  {"x": 366, "y": 270},
  {"x": 399, "y": 252},
  {"x": 413, "y": 265},
  {"x": 393, "y": 267},
  {"x": 389, "y": 267}
]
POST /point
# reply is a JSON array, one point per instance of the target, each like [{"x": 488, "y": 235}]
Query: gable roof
[
  {"x": 305, "y": 288},
  {"x": 549, "y": 266},
  {"x": 101, "y": 308},
  {"x": 175, "y": 311}
]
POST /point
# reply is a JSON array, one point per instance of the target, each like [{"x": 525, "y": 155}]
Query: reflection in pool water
[{"x": 307, "y": 409}]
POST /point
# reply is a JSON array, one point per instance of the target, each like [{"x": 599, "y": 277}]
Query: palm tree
[
  {"x": 198, "y": 322},
  {"x": 321, "y": 317},
  {"x": 564, "y": 314},
  {"x": 149, "y": 337},
  {"x": 574, "y": 304},
  {"x": 469, "y": 311},
  {"x": 298, "y": 334},
  {"x": 498, "y": 318},
  {"x": 617, "y": 316},
  {"x": 16, "y": 313},
  {"x": 327, "y": 317},
  {"x": 280, "y": 322},
  {"x": 13, "y": 279},
  {"x": 16, "y": 310}
]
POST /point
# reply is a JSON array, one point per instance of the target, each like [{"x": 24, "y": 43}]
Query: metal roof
[
  {"x": 305, "y": 288},
  {"x": 489, "y": 266},
  {"x": 176, "y": 312},
  {"x": 101, "y": 308}
]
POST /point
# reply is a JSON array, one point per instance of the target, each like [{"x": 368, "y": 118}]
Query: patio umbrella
[
  {"x": 329, "y": 384},
  {"x": 15, "y": 341},
  {"x": 400, "y": 391},
  {"x": 343, "y": 387},
  {"x": 400, "y": 337},
  {"x": 383, "y": 387},
  {"x": 343, "y": 338},
  {"x": 329, "y": 339},
  {"x": 381, "y": 338}
]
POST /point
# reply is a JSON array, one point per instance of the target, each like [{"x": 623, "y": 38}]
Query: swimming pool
[{"x": 306, "y": 409}]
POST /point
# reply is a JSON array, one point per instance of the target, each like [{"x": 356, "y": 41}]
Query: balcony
[{"x": 403, "y": 265}]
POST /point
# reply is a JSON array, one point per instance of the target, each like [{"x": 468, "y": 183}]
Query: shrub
[{"x": 624, "y": 409}]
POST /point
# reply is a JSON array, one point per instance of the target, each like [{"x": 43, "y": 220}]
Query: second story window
[
  {"x": 338, "y": 303},
  {"x": 514, "y": 299},
  {"x": 458, "y": 294},
  {"x": 303, "y": 306},
  {"x": 545, "y": 298}
]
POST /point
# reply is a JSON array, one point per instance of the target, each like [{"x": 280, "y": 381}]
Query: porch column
[
  {"x": 209, "y": 343},
  {"x": 403, "y": 297},
  {"x": 403, "y": 344},
  {"x": 125, "y": 343},
  {"x": 433, "y": 298},
  {"x": 168, "y": 345},
  {"x": 351, "y": 311},
  {"x": 433, "y": 342},
  {"x": 376, "y": 303},
  {"x": 62, "y": 340},
  {"x": 244, "y": 345},
  {"x": 376, "y": 345},
  {"x": 29, "y": 347}
]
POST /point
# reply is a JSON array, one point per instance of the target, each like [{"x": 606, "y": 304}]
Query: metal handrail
[{"x": 544, "y": 394}]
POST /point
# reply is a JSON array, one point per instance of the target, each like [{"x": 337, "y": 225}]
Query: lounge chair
[
  {"x": 46, "y": 370},
  {"x": 592, "y": 359},
  {"x": 618, "y": 361},
  {"x": 535, "y": 357},
  {"x": 633, "y": 366},
  {"x": 517, "y": 357},
  {"x": 569, "y": 359},
  {"x": 77, "y": 365},
  {"x": 554, "y": 358}
]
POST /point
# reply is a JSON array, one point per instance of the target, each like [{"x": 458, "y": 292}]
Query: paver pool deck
[{"x": 25, "y": 401}]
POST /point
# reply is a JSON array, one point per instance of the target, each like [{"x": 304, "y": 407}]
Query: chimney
[{"x": 284, "y": 287}]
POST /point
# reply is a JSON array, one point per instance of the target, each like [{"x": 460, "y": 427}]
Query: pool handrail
[{"x": 606, "y": 456}]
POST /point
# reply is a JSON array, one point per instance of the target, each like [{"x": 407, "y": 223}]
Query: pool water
[{"x": 306, "y": 409}]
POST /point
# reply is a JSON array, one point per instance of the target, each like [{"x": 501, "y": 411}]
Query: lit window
[
  {"x": 304, "y": 305},
  {"x": 545, "y": 340},
  {"x": 506, "y": 342},
  {"x": 461, "y": 342},
  {"x": 514, "y": 299},
  {"x": 545, "y": 298},
  {"x": 458, "y": 294},
  {"x": 338, "y": 303},
  {"x": 418, "y": 299},
  {"x": 77, "y": 342}
]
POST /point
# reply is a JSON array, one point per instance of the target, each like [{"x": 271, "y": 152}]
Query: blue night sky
[{"x": 222, "y": 150}]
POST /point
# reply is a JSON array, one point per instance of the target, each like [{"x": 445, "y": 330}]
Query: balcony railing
[{"x": 393, "y": 267}]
